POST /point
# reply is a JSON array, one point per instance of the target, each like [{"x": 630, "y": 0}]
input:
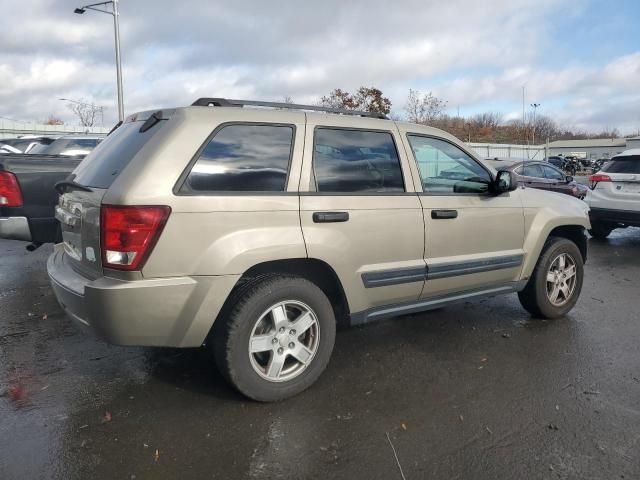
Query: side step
[{"x": 425, "y": 304}]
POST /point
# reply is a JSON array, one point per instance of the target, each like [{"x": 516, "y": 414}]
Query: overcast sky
[{"x": 580, "y": 59}]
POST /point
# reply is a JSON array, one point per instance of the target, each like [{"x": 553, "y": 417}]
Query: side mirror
[
  {"x": 505, "y": 181},
  {"x": 569, "y": 178}
]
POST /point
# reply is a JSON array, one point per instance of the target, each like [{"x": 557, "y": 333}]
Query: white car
[{"x": 614, "y": 194}]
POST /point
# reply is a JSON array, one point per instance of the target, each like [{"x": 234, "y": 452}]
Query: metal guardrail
[{"x": 11, "y": 128}]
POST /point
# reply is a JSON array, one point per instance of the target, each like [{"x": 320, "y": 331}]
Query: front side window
[
  {"x": 356, "y": 161},
  {"x": 243, "y": 158},
  {"x": 446, "y": 169},
  {"x": 532, "y": 171},
  {"x": 552, "y": 174}
]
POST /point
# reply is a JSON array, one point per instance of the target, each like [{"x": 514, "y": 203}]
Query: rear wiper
[{"x": 60, "y": 186}]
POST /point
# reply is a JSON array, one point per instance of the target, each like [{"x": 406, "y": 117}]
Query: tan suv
[{"x": 255, "y": 230}]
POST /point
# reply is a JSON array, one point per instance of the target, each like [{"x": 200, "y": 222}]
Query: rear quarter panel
[{"x": 216, "y": 233}]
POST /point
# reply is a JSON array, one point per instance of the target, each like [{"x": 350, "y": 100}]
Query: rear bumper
[
  {"x": 624, "y": 217},
  {"x": 15, "y": 228},
  {"x": 165, "y": 312}
]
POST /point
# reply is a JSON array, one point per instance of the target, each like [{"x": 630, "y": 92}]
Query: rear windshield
[
  {"x": 71, "y": 146},
  {"x": 102, "y": 166},
  {"x": 630, "y": 164}
]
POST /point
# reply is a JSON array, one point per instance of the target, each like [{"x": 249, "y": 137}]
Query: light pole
[
  {"x": 533, "y": 129},
  {"x": 116, "y": 27}
]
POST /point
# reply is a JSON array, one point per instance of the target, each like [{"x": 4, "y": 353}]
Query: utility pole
[
  {"x": 533, "y": 127},
  {"x": 524, "y": 128}
]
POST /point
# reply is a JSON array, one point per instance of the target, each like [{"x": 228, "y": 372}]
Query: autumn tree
[
  {"x": 53, "y": 120},
  {"x": 423, "y": 108},
  {"x": 368, "y": 99}
]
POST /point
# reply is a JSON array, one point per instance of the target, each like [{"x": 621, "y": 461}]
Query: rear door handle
[
  {"x": 443, "y": 214},
  {"x": 329, "y": 217}
]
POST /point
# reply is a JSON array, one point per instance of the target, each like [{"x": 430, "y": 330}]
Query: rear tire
[
  {"x": 276, "y": 338},
  {"x": 600, "y": 231},
  {"x": 553, "y": 290}
]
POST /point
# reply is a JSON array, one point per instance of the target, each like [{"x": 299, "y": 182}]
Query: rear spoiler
[{"x": 149, "y": 117}]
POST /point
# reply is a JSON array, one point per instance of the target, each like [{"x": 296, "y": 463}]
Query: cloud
[{"x": 470, "y": 53}]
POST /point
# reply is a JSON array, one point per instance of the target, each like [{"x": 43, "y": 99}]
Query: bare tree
[
  {"x": 369, "y": 99},
  {"x": 486, "y": 120},
  {"x": 87, "y": 113},
  {"x": 545, "y": 128},
  {"x": 423, "y": 108}
]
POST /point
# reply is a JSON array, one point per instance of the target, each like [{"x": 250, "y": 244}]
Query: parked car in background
[
  {"x": 566, "y": 164},
  {"x": 541, "y": 175},
  {"x": 70, "y": 145},
  {"x": 556, "y": 161},
  {"x": 614, "y": 194},
  {"x": 585, "y": 162},
  {"x": 597, "y": 164},
  {"x": 25, "y": 144},
  {"x": 256, "y": 230},
  {"x": 27, "y": 188}
]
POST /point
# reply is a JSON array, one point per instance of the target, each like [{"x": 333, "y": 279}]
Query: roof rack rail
[{"x": 224, "y": 102}]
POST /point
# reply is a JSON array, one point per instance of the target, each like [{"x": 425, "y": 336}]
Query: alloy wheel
[
  {"x": 284, "y": 341},
  {"x": 561, "y": 279}
]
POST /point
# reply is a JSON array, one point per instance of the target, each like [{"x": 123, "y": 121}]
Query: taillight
[
  {"x": 596, "y": 178},
  {"x": 128, "y": 234},
  {"x": 10, "y": 193}
]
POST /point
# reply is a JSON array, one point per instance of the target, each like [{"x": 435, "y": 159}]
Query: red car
[{"x": 540, "y": 174}]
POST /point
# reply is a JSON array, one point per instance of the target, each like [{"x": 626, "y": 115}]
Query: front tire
[
  {"x": 276, "y": 338},
  {"x": 556, "y": 282}
]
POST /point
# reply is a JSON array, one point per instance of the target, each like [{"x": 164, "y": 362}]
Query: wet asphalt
[{"x": 475, "y": 391}]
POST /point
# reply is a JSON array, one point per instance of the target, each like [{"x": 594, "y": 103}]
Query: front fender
[{"x": 543, "y": 214}]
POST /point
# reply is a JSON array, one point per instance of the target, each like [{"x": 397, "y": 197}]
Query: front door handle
[
  {"x": 443, "y": 214},
  {"x": 330, "y": 217}
]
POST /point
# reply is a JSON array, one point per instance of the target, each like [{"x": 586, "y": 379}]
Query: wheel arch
[
  {"x": 316, "y": 271},
  {"x": 536, "y": 241},
  {"x": 574, "y": 233}
]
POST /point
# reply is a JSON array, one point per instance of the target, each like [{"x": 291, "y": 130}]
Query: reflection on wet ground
[{"x": 478, "y": 390}]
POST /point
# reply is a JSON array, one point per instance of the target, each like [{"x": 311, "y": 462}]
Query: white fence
[
  {"x": 491, "y": 150},
  {"x": 10, "y": 129}
]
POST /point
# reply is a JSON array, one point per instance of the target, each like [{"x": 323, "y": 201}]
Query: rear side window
[
  {"x": 630, "y": 164},
  {"x": 356, "y": 161},
  {"x": 243, "y": 158},
  {"x": 532, "y": 171},
  {"x": 102, "y": 166}
]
